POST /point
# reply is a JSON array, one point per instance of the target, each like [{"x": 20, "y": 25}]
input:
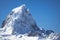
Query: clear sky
[{"x": 45, "y": 12}]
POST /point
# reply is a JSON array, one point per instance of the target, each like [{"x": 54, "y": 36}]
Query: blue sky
[{"x": 45, "y": 12}]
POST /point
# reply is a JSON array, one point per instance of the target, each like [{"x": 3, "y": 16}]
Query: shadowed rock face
[{"x": 49, "y": 32}]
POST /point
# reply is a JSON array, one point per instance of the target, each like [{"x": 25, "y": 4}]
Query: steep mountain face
[
  {"x": 19, "y": 25},
  {"x": 20, "y": 21}
]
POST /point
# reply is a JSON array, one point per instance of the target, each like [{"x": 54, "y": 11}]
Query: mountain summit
[
  {"x": 20, "y": 25},
  {"x": 20, "y": 21}
]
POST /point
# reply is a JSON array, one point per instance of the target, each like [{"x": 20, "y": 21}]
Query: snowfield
[{"x": 14, "y": 37}]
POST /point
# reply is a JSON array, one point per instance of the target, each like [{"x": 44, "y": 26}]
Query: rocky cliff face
[{"x": 20, "y": 22}]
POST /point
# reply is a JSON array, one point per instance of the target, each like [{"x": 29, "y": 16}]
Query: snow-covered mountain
[{"x": 19, "y": 25}]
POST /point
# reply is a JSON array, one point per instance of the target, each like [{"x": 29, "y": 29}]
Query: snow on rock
[
  {"x": 19, "y": 9},
  {"x": 19, "y": 25},
  {"x": 20, "y": 21}
]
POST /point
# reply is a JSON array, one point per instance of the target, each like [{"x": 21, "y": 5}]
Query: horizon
[{"x": 45, "y": 13}]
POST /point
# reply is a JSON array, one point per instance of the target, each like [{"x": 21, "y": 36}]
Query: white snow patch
[{"x": 18, "y": 9}]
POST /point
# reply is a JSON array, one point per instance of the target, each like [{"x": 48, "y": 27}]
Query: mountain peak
[
  {"x": 19, "y": 25},
  {"x": 19, "y": 9},
  {"x": 20, "y": 21}
]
